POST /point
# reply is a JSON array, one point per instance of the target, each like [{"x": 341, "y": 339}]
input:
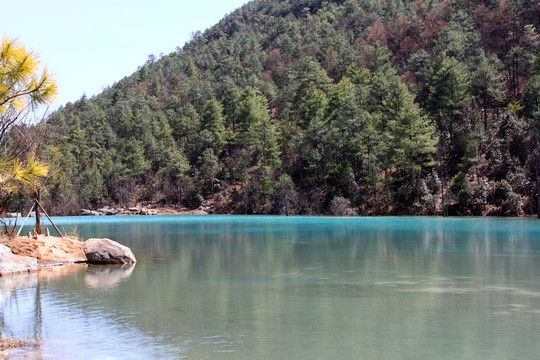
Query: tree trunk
[
  {"x": 442, "y": 199},
  {"x": 537, "y": 185},
  {"x": 485, "y": 111}
]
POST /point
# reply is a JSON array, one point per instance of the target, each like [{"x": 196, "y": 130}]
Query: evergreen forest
[{"x": 355, "y": 107}]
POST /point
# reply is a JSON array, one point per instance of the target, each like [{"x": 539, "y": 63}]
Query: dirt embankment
[{"x": 48, "y": 250}]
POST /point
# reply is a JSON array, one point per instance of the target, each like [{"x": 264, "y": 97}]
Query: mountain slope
[{"x": 284, "y": 107}]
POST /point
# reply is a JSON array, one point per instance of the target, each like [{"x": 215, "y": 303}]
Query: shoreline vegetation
[{"x": 205, "y": 209}]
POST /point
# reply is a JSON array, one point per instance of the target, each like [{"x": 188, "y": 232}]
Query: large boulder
[
  {"x": 11, "y": 263},
  {"x": 106, "y": 251}
]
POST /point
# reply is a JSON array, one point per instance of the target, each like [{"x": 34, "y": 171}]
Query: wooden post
[
  {"x": 24, "y": 222},
  {"x": 48, "y": 217},
  {"x": 38, "y": 220}
]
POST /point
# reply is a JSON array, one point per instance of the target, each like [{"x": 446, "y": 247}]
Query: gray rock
[
  {"x": 145, "y": 211},
  {"x": 107, "y": 211},
  {"x": 106, "y": 251},
  {"x": 134, "y": 209},
  {"x": 84, "y": 212},
  {"x": 11, "y": 263},
  {"x": 13, "y": 215}
]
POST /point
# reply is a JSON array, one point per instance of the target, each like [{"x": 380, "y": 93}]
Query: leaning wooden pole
[
  {"x": 37, "y": 197},
  {"x": 48, "y": 217},
  {"x": 27, "y": 216}
]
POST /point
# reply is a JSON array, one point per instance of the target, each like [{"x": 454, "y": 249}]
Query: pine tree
[
  {"x": 213, "y": 123},
  {"x": 448, "y": 86},
  {"x": 487, "y": 83},
  {"x": 412, "y": 136},
  {"x": 531, "y": 112},
  {"x": 23, "y": 85}
]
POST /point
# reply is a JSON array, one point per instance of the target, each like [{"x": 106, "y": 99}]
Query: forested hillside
[{"x": 312, "y": 107}]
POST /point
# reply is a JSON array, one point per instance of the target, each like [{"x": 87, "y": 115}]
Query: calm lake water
[{"x": 233, "y": 287}]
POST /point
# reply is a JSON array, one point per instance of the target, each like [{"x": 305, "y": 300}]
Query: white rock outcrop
[{"x": 12, "y": 264}]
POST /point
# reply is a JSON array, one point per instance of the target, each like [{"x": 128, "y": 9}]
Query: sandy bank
[{"x": 48, "y": 250}]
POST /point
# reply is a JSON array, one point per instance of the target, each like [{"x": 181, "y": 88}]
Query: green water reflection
[{"x": 295, "y": 288}]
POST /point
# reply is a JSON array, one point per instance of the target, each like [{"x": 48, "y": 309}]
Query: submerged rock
[
  {"x": 11, "y": 263},
  {"x": 106, "y": 251}
]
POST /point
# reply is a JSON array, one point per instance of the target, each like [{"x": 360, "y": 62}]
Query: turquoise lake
[{"x": 255, "y": 287}]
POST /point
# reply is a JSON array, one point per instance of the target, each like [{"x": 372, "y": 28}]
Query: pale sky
[{"x": 89, "y": 45}]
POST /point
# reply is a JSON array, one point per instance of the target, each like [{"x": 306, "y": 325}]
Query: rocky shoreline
[
  {"x": 151, "y": 209},
  {"x": 27, "y": 254}
]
